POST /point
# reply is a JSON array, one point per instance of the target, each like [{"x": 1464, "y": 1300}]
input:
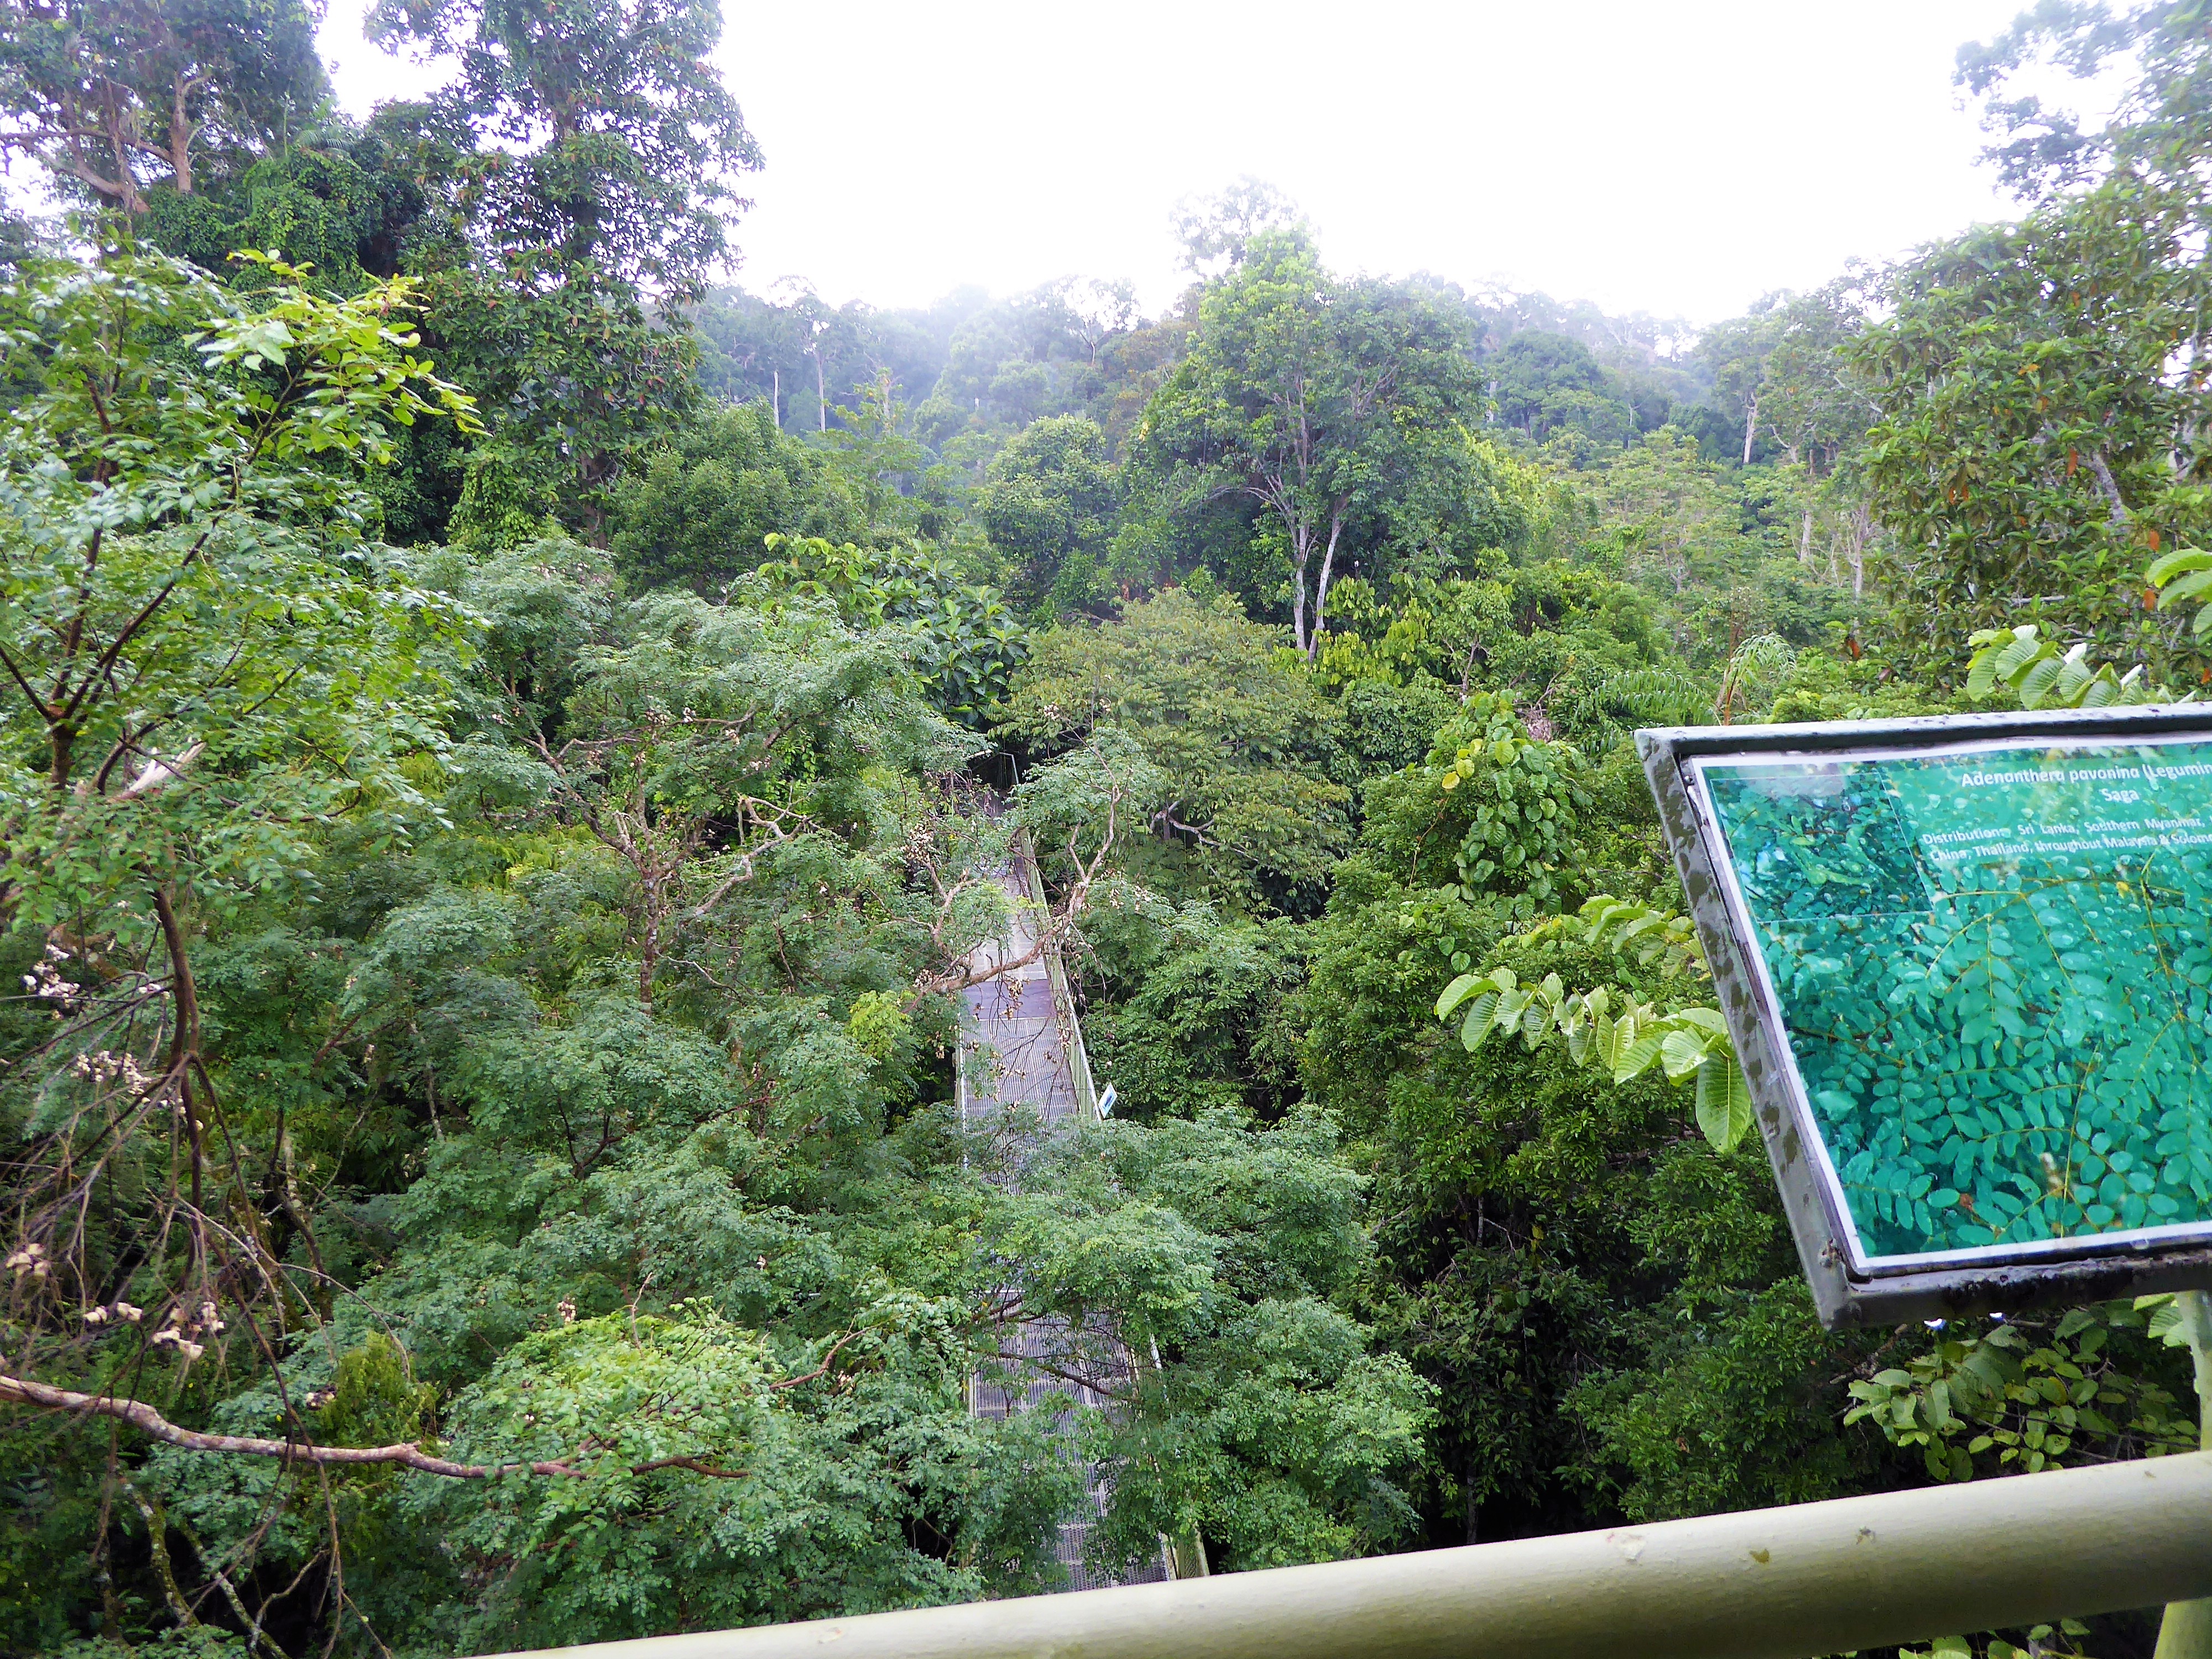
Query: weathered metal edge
[
  {"x": 1929, "y": 730},
  {"x": 1841, "y": 1300},
  {"x": 1742, "y": 998}
]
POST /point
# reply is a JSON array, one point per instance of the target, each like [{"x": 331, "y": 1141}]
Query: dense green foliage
[{"x": 505, "y": 749}]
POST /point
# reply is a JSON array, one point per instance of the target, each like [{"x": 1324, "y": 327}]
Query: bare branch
[
  {"x": 822, "y": 1370},
  {"x": 22, "y": 1391}
]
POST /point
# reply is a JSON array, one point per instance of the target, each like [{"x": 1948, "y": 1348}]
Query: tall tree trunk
[
  {"x": 821, "y": 389},
  {"x": 1750, "y": 426},
  {"x": 180, "y": 135},
  {"x": 648, "y": 961},
  {"x": 1321, "y": 592},
  {"x": 2117, "y": 509},
  {"x": 116, "y": 124}
]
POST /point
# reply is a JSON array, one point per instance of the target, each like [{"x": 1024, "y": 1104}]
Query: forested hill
[
  {"x": 980, "y": 368},
  {"x": 497, "y": 723}
]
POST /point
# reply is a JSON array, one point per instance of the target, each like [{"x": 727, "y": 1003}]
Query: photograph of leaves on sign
[{"x": 1989, "y": 964}]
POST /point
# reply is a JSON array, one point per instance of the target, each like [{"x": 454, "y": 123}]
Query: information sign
[{"x": 1967, "y": 965}]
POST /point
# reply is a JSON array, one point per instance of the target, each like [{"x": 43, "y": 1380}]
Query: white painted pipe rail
[{"x": 1781, "y": 1583}]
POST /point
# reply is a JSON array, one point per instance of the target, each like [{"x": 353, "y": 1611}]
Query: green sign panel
[{"x": 1992, "y": 966}]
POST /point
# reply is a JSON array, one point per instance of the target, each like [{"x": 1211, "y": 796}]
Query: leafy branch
[
  {"x": 2031, "y": 660},
  {"x": 2185, "y": 577},
  {"x": 1611, "y": 1032},
  {"x": 2030, "y": 1402},
  {"x": 25, "y": 1391},
  {"x": 2040, "y": 672},
  {"x": 1649, "y": 935}
]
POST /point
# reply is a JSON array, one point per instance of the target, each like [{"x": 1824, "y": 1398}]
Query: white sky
[{"x": 1680, "y": 160}]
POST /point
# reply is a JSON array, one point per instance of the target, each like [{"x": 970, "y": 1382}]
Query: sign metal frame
[{"x": 1845, "y": 1293}]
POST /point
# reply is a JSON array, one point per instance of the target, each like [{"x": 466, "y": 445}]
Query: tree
[
  {"x": 1269, "y": 1428},
  {"x": 2035, "y": 451},
  {"x": 587, "y": 155},
  {"x": 963, "y": 644},
  {"x": 1808, "y": 402},
  {"x": 121, "y": 97},
  {"x": 345, "y": 200},
  {"x": 2156, "y": 128},
  {"x": 625, "y": 142},
  {"x": 671, "y": 791},
  {"x": 1218, "y": 232},
  {"x": 1670, "y": 512},
  {"x": 1735, "y": 353},
  {"x": 1546, "y": 383},
  {"x": 814, "y": 324},
  {"x": 1097, "y": 312},
  {"x": 152, "y": 487},
  {"x": 675, "y": 741},
  {"x": 1323, "y": 407},
  {"x": 880, "y": 463},
  {"x": 700, "y": 506},
  {"x": 1048, "y": 502},
  {"x": 576, "y": 376},
  {"x": 1236, "y": 738},
  {"x": 692, "y": 783},
  {"x": 206, "y": 667}
]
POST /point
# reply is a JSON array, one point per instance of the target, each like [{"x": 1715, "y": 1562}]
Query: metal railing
[{"x": 1780, "y": 1583}]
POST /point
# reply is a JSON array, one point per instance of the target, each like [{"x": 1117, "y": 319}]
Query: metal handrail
[{"x": 1781, "y": 1583}]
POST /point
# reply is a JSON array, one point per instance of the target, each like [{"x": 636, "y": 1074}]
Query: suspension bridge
[{"x": 1024, "y": 1078}]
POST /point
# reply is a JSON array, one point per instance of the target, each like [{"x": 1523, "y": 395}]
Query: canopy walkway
[
  {"x": 1024, "y": 1074},
  {"x": 1814, "y": 1578}
]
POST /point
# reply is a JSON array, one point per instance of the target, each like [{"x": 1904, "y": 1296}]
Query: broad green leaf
[
  {"x": 2165, "y": 569},
  {"x": 1680, "y": 1053},
  {"x": 1605, "y": 1041},
  {"x": 1637, "y": 1056},
  {"x": 1724, "y": 1102},
  {"x": 2036, "y": 684},
  {"x": 2025, "y": 647},
  {"x": 1477, "y": 1025},
  {"x": 1981, "y": 675},
  {"x": 1457, "y": 992},
  {"x": 2194, "y": 586}
]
